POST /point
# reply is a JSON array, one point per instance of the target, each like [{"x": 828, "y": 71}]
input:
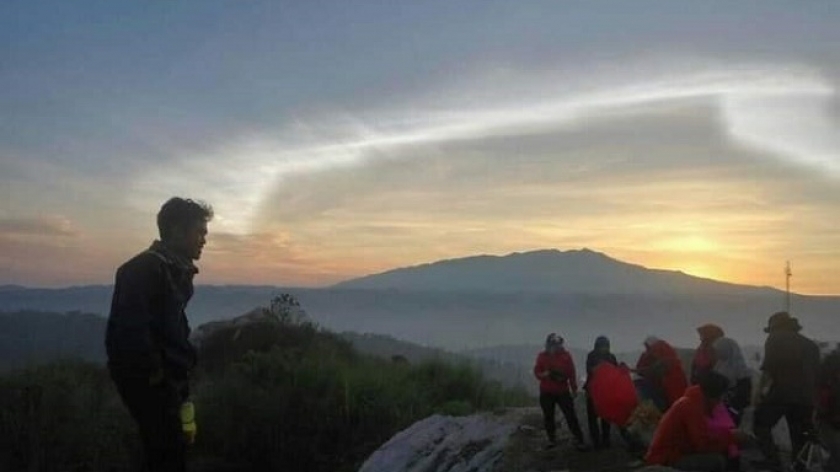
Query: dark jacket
[
  {"x": 147, "y": 327},
  {"x": 792, "y": 361},
  {"x": 829, "y": 405}
]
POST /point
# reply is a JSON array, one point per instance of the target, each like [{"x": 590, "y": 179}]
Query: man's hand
[
  {"x": 188, "y": 426},
  {"x": 156, "y": 378},
  {"x": 556, "y": 375}
]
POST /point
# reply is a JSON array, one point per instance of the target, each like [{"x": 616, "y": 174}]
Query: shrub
[
  {"x": 277, "y": 394},
  {"x": 63, "y": 416}
]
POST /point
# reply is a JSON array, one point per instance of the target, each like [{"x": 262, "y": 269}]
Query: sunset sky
[{"x": 340, "y": 138}]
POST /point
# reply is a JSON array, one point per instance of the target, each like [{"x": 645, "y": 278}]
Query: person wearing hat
[
  {"x": 788, "y": 386},
  {"x": 555, "y": 370},
  {"x": 600, "y": 434}
]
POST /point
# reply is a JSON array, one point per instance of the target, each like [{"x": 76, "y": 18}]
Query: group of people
[
  {"x": 703, "y": 410},
  {"x": 150, "y": 358}
]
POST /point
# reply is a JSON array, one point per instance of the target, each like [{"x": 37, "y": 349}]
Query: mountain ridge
[{"x": 545, "y": 270}]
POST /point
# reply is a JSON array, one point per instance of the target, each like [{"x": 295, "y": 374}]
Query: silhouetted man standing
[
  {"x": 788, "y": 386},
  {"x": 147, "y": 339}
]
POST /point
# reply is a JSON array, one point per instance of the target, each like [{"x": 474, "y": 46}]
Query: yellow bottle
[{"x": 188, "y": 421}]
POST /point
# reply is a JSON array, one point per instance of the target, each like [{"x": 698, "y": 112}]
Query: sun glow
[{"x": 702, "y": 269}]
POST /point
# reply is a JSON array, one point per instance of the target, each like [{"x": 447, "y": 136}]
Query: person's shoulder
[
  {"x": 681, "y": 408},
  {"x": 779, "y": 338},
  {"x": 145, "y": 262},
  {"x": 805, "y": 341}
]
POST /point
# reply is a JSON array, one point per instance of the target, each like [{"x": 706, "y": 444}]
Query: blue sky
[{"x": 337, "y": 139}]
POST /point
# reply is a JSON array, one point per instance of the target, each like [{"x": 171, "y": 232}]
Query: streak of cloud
[
  {"x": 53, "y": 226},
  {"x": 782, "y": 111}
]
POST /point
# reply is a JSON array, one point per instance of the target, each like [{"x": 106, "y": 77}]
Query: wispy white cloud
[
  {"x": 45, "y": 227},
  {"x": 782, "y": 111}
]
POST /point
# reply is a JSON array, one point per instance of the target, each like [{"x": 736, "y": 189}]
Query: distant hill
[
  {"x": 33, "y": 337},
  {"x": 500, "y": 300},
  {"x": 463, "y": 320},
  {"x": 550, "y": 271}
]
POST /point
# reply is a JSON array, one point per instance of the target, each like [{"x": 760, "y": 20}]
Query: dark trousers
[
  {"x": 599, "y": 428},
  {"x": 155, "y": 409},
  {"x": 768, "y": 413},
  {"x": 567, "y": 406}
]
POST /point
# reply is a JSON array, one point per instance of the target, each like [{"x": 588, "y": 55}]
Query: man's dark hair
[
  {"x": 713, "y": 385},
  {"x": 180, "y": 213}
]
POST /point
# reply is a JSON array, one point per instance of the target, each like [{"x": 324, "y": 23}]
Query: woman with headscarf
[
  {"x": 601, "y": 353},
  {"x": 729, "y": 362},
  {"x": 662, "y": 371},
  {"x": 555, "y": 370},
  {"x": 704, "y": 356}
]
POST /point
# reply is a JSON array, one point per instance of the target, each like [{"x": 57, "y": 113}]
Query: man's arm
[
  {"x": 768, "y": 367},
  {"x": 540, "y": 370}
]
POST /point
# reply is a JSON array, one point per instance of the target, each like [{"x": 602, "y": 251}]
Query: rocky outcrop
[
  {"x": 446, "y": 444},
  {"x": 510, "y": 442}
]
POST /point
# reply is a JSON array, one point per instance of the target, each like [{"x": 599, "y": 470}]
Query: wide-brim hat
[{"x": 782, "y": 321}]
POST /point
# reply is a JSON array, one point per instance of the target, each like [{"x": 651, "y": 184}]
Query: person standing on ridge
[
  {"x": 788, "y": 388},
  {"x": 662, "y": 371},
  {"x": 555, "y": 370},
  {"x": 600, "y": 434},
  {"x": 147, "y": 336},
  {"x": 704, "y": 356}
]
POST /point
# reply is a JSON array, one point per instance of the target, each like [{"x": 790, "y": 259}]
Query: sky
[{"x": 337, "y": 139}]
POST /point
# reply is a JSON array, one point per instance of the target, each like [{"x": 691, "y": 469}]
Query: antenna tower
[{"x": 788, "y": 275}]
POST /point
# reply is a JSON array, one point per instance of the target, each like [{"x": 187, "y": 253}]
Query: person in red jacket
[
  {"x": 661, "y": 368},
  {"x": 682, "y": 439},
  {"x": 555, "y": 370}
]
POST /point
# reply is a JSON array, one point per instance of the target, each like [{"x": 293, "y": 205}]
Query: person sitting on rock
[
  {"x": 683, "y": 439},
  {"x": 555, "y": 370}
]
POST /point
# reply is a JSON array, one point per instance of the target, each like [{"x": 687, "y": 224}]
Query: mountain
[
  {"x": 485, "y": 301},
  {"x": 34, "y": 337},
  {"x": 549, "y": 271}
]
